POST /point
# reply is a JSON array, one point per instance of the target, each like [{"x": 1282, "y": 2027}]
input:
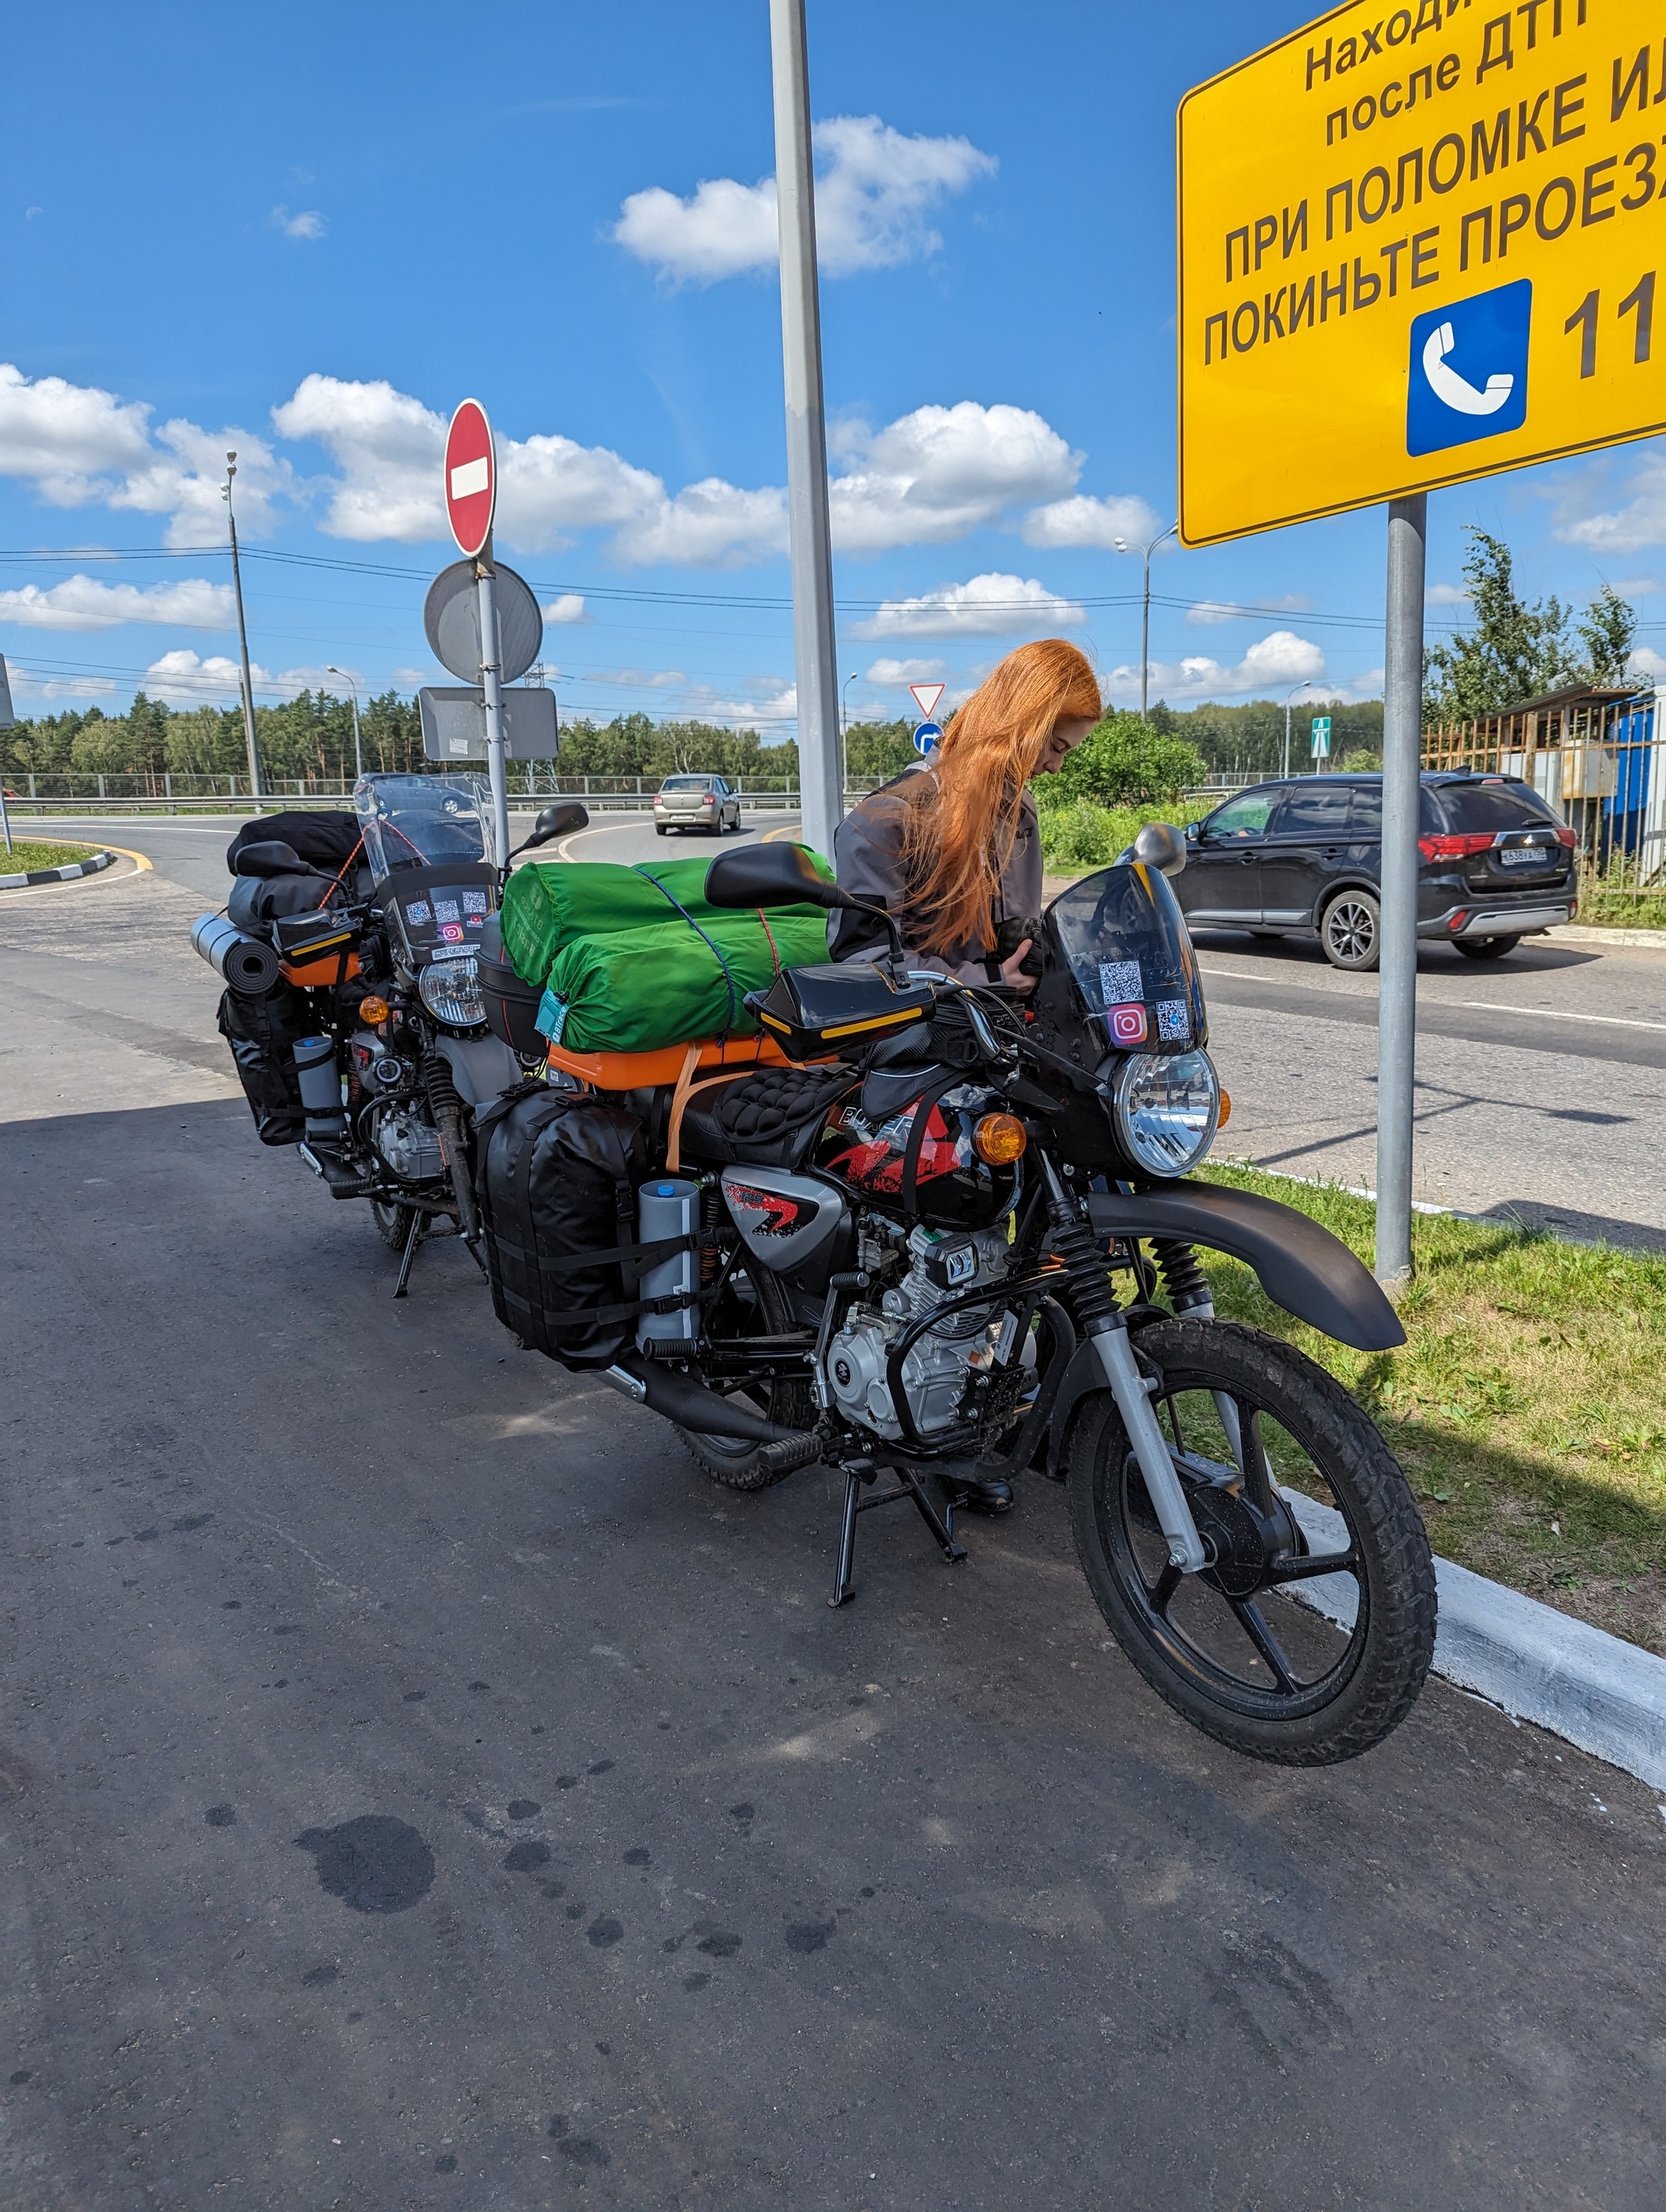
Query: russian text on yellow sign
[{"x": 1383, "y": 162}]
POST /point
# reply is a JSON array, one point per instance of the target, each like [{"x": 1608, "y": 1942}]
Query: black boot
[{"x": 962, "y": 1491}]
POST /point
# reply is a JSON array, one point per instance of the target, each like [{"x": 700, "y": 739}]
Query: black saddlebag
[
  {"x": 558, "y": 1206},
  {"x": 262, "y": 1033}
]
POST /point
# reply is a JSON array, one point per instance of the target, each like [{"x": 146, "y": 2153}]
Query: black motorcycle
[
  {"x": 351, "y": 946},
  {"x": 956, "y": 1241}
]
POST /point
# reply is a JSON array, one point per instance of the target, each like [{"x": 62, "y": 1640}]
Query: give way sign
[
  {"x": 926, "y": 696},
  {"x": 471, "y": 478}
]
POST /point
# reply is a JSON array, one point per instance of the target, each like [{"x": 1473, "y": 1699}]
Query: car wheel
[
  {"x": 1485, "y": 948},
  {"x": 1351, "y": 932},
  {"x": 659, "y": 830}
]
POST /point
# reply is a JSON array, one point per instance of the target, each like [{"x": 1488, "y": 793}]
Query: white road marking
[{"x": 1552, "y": 1014}]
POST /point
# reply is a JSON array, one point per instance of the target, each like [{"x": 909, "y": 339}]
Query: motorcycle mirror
[
  {"x": 558, "y": 821},
  {"x": 1160, "y": 846},
  {"x": 770, "y": 875},
  {"x": 270, "y": 857}
]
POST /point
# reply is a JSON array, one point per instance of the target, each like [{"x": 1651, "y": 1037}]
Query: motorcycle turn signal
[{"x": 999, "y": 1139}]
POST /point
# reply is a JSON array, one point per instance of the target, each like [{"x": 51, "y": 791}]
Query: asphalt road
[{"x": 420, "y": 1789}]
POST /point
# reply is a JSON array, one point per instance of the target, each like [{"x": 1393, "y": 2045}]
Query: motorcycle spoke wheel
[
  {"x": 729, "y": 1461},
  {"x": 1304, "y": 1649},
  {"x": 393, "y": 1224}
]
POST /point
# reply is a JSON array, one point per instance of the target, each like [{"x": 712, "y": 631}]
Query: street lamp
[
  {"x": 844, "y": 725},
  {"x": 242, "y": 637},
  {"x": 1294, "y": 689},
  {"x": 1122, "y": 546},
  {"x": 358, "y": 756}
]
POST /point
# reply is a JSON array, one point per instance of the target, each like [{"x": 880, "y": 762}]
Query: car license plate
[{"x": 1524, "y": 856}]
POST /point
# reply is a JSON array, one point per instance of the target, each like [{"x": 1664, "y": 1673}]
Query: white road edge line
[{"x": 1551, "y": 1013}]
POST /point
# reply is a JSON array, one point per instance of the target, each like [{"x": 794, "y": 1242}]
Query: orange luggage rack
[{"x": 642, "y": 1071}]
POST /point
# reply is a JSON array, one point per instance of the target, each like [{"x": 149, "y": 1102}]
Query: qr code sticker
[
  {"x": 474, "y": 902},
  {"x": 1119, "y": 982},
  {"x": 446, "y": 909},
  {"x": 417, "y": 912},
  {"x": 1174, "y": 1021}
]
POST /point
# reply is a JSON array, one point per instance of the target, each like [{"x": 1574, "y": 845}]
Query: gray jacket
[{"x": 867, "y": 861}]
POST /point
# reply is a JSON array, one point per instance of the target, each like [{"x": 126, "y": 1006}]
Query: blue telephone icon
[
  {"x": 1448, "y": 385},
  {"x": 1467, "y": 374}
]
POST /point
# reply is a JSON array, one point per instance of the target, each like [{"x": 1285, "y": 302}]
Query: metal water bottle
[
  {"x": 320, "y": 1090},
  {"x": 670, "y": 1207}
]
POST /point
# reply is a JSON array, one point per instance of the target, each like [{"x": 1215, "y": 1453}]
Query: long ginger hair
[{"x": 960, "y": 824}]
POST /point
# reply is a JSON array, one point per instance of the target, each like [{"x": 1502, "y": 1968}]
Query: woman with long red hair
[{"x": 954, "y": 851}]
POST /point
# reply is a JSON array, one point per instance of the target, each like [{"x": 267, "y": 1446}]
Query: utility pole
[
  {"x": 808, "y": 526},
  {"x": 1294, "y": 689},
  {"x": 358, "y": 751},
  {"x": 1122, "y": 546},
  {"x": 1397, "y": 993},
  {"x": 242, "y": 639}
]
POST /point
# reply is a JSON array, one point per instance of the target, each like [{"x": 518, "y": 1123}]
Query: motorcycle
[
  {"x": 935, "y": 1245},
  {"x": 355, "y": 1005}
]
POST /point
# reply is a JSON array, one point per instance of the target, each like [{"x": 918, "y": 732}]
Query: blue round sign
[{"x": 928, "y": 737}]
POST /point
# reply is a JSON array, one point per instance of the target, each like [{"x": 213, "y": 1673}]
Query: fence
[{"x": 173, "y": 794}]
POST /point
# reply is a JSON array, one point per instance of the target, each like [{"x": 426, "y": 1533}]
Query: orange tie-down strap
[{"x": 686, "y": 1089}]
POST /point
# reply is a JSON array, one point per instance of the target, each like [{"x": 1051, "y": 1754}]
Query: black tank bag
[{"x": 558, "y": 1207}]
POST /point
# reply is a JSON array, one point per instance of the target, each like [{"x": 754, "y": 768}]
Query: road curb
[
  {"x": 1574, "y": 933},
  {"x": 1600, "y": 1693},
  {"x": 64, "y": 875}
]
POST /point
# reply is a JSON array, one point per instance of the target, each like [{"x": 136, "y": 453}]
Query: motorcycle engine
[
  {"x": 409, "y": 1145},
  {"x": 936, "y": 1370}
]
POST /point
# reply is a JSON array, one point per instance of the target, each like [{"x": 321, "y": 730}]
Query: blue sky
[{"x": 306, "y": 232}]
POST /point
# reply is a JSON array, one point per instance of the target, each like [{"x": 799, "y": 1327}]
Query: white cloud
[
  {"x": 895, "y": 674},
  {"x": 308, "y": 223},
  {"x": 1647, "y": 663},
  {"x": 182, "y": 679},
  {"x": 1637, "y": 587},
  {"x": 636, "y": 679},
  {"x": 1626, "y": 529},
  {"x": 80, "y": 603},
  {"x": 874, "y": 191},
  {"x": 1447, "y": 595},
  {"x": 1095, "y": 522},
  {"x": 1273, "y": 663},
  {"x": 568, "y": 607},
  {"x": 930, "y": 476},
  {"x": 938, "y": 473},
  {"x": 991, "y": 605},
  {"x": 82, "y": 445},
  {"x": 1208, "y": 613}
]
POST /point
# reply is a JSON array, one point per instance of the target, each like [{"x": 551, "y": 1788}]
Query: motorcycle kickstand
[
  {"x": 909, "y": 1485},
  {"x": 413, "y": 1238}
]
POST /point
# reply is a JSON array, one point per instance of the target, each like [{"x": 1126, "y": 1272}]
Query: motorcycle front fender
[{"x": 480, "y": 1066}]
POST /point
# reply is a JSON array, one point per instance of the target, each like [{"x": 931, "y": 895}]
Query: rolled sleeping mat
[{"x": 247, "y": 965}]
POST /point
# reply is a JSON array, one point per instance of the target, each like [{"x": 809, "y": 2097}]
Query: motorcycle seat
[{"x": 770, "y": 1118}]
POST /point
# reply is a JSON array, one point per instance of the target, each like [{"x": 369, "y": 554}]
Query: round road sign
[
  {"x": 471, "y": 478},
  {"x": 451, "y": 618},
  {"x": 928, "y": 737}
]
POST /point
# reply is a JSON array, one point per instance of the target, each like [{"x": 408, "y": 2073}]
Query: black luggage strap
[
  {"x": 631, "y": 1258},
  {"x": 924, "y": 1109}
]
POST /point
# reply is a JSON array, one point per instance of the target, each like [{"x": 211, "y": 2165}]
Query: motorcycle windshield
[
  {"x": 421, "y": 821},
  {"x": 1124, "y": 941}
]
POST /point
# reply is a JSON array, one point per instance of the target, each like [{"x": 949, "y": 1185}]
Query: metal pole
[
  {"x": 243, "y": 641},
  {"x": 1396, "y": 1003},
  {"x": 490, "y": 659},
  {"x": 1144, "y": 637},
  {"x": 809, "y": 529},
  {"x": 5, "y": 820},
  {"x": 358, "y": 753}
]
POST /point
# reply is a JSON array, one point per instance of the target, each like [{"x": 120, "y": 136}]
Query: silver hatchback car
[{"x": 695, "y": 802}]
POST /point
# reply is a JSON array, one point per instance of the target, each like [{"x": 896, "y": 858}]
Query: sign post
[
  {"x": 471, "y": 503},
  {"x": 1410, "y": 257}
]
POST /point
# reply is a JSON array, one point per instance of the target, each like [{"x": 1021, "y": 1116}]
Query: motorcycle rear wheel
[
  {"x": 392, "y": 1223},
  {"x": 1300, "y": 1684},
  {"x": 730, "y": 1461}
]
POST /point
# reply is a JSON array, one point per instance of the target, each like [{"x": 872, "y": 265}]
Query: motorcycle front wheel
[{"x": 1306, "y": 1639}]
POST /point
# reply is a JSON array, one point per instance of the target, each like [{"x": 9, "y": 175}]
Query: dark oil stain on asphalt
[
  {"x": 316, "y": 1977},
  {"x": 527, "y": 1857},
  {"x": 21, "y": 2076},
  {"x": 716, "y": 1942},
  {"x": 147, "y": 1535},
  {"x": 445, "y": 2163},
  {"x": 188, "y": 1521},
  {"x": 374, "y": 1864},
  {"x": 639, "y": 1856},
  {"x": 523, "y": 1808},
  {"x": 810, "y": 1934},
  {"x": 553, "y": 1888},
  {"x": 414, "y": 1697},
  {"x": 696, "y": 1981},
  {"x": 567, "y": 1782},
  {"x": 602, "y": 1766},
  {"x": 231, "y": 1605},
  {"x": 220, "y": 1816},
  {"x": 582, "y": 2149},
  {"x": 604, "y": 1931}
]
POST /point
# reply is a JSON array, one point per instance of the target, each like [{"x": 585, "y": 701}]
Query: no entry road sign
[
  {"x": 926, "y": 696},
  {"x": 471, "y": 478},
  {"x": 1419, "y": 244}
]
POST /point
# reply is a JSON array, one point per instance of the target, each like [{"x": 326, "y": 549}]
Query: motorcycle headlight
[
  {"x": 451, "y": 991},
  {"x": 1167, "y": 1108}
]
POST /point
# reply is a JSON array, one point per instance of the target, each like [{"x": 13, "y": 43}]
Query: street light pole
[
  {"x": 1294, "y": 689},
  {"x": 1122, "y": 546},
  {"x": 358, "y": 754},
  {"x": 844, "y": 735},
  {"x": 809, "y": 524},
  {"x": 242, "y": 639}
]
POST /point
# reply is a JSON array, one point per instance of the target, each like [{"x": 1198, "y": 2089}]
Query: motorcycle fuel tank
[{"x": 786, "y": 1221}]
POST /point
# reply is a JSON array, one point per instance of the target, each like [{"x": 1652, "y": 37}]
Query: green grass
[
  {"x": 1619, "y": 909},
  {"x": 26, "y": 855},
  {"x": 1526, "y": 1406},
  {"x": 1083, "y": 835}
]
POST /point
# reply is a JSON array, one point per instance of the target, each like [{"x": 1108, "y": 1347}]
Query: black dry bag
[
  {"x": 557, "y": 1204},
  {"x": 262, "y": 1035}
]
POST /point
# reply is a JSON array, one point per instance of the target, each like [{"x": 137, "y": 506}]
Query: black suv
[{"x": 1305, "y": 857}]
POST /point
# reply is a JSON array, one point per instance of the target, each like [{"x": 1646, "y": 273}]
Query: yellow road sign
[{"x": 1419, "y": 244}]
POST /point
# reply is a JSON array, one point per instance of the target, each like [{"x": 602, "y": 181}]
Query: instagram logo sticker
[{"x": 1127, "y": 1024}]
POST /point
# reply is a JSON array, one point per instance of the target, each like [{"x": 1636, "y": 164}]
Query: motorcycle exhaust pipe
[
  {"x": 666, "y": 1390},
  {"x": 247, "y": 965}
]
